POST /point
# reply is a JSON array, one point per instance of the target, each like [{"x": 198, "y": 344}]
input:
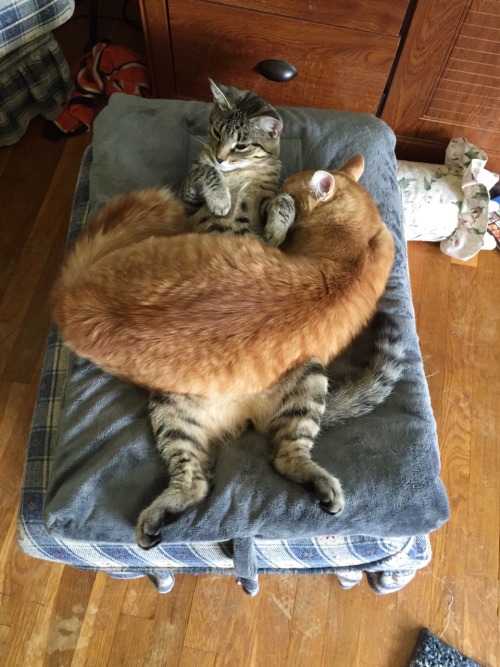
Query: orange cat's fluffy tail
[{"x": 125, "y": 220}]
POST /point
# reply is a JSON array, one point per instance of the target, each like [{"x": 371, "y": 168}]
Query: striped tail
[{"x": 356, "y": 397}]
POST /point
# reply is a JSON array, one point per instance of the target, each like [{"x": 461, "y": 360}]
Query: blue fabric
[
  {"x": 22, "y": 21},
  {"x": 35, "y": 79},
  {"x": 34, "y": 75}
]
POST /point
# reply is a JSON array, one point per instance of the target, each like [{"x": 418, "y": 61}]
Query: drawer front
[
  {"x": 337, "y": 68},
  {"x": 384, "y": 17}
]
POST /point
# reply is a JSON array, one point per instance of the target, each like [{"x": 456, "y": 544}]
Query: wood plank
[
  {"x": 14, "y": 431},
  {"x": 171, "y": 619},
  {"x": 18, "y": 210},
  {"x": 428, "y": 601},
  {"x": 276, "y": 603},
  {"x": 29, "y": 343},
  {"x": 207, "y": 612},
  {"x": 239, "y": 623},
  {"x": 131, "y": 641},
  {"x": 69, "y": 610},
  {"x": 190, "y": 657},
  {"x": 484, "y": 499},
  {"x": 481, "y": 628},
  {"x": 379, "y": 612},
  {"x": 55, "y": 207},
  {"x": 4, "y": 634},
  {"x": 309, "y": 617},
  {"x": 90, "y": 621},
  {"x": 141, "y": 599},
  {"x": 29, "y": 623},
  {"x": 106, "y": 607},
  {"x": 342, "y": 636}
]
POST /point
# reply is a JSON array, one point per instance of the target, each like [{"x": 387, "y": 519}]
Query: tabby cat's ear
[
  {"x": 269, "y": 124},
  {"x": 323, "y": 185},
  {"x": 220, "y": 95},
  {"x": 354, "y": 166}
]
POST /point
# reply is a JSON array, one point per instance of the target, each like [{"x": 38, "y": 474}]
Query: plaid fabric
[
  {"x": 389, "y": 563},
  {"x": 34, "y": 75},
  {"x": 22, "y": 21},
  {"x": 35, "y": 79}
]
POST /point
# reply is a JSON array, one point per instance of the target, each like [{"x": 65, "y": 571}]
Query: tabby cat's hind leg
[
  {"x": 183, "y": 446},
  {"x": 294, "y": 428}
]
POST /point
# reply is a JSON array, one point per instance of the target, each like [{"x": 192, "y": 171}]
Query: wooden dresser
[{"x": 428, "y": 68}]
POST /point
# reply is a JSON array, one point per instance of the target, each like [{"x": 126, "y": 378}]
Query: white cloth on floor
[{"x": 449, "y": 203}]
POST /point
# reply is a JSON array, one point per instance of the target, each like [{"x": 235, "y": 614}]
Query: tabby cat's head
[{"x": 244, "y": 130}]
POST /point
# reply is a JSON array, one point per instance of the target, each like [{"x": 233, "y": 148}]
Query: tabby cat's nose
[{"x": 219, "y": 160}]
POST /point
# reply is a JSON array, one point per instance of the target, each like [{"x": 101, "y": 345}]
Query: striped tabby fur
[{"x": 189, "y": 430}]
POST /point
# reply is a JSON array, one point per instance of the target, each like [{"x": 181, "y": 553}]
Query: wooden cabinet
[
  {"x": 447, "y": 82},
  {"x": 343, "y": 51},
  {"x": 430, "y": 69}
]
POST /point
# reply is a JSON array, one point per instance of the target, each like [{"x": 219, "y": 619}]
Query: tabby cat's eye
[{"x": 241, "y": 147}]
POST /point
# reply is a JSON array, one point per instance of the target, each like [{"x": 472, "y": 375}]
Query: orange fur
[{"x": 218, "y": 315}]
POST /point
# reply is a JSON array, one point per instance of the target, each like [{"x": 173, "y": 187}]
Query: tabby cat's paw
[
  {"x": 280, "y": 217},
  {"x": 274, "y": 233},
  {"x": 219, "y": 203},
  {"x": 329, "y": 492},
  {"x": 148, "y": 528},
  {"x": 173, "y": 501}
]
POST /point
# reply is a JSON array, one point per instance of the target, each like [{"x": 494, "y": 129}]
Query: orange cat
[{"x": 216, "y": 315}]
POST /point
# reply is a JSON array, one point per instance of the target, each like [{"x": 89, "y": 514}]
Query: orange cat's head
[{"x": 311, "y": 188}]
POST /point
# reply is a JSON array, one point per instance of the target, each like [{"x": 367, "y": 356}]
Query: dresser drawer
[
  {"x": 338, "y": 68},
  {"x": 384, "y": 18}
]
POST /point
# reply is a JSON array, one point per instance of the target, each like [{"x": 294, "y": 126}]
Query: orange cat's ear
[
  {"x": 354, "y": 166},
  {"x": 323, "y": 185}
]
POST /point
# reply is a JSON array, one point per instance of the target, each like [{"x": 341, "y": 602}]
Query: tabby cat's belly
[{"x": 232, "y": 415}]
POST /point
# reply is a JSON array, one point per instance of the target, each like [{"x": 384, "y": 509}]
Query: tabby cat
[
  {"x": 226, "y": 317},
  {"x": 232, "y": 187},
  {"x": 233, "y": 184}
]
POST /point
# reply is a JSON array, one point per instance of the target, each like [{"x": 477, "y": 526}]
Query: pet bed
[{"x": 92, "y": 465}]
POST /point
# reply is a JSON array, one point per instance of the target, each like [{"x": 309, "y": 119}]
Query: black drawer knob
[{"x": 277, "y": 70}]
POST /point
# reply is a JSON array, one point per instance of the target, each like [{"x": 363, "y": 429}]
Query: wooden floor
[{"x": 56, "y": 616}]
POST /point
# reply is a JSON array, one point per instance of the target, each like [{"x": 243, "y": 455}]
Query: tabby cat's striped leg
[
  {"x": 280, "y": 217},
  {"x": 205, "y": 185},
  {"x": 294, "y": 428},
  {"x": 183, "y": 445}
]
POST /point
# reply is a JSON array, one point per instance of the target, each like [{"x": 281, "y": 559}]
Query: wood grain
[
  {"x": 337, "y": 68},
  {"x": 154, "y": 15},
  {"x": 52, "y": 614},
  {"x": 447, "y": 79},
  {"x": 378, "y": 17}
]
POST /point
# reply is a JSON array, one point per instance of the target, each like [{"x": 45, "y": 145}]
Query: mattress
[{"x": 91, "y": 464}]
